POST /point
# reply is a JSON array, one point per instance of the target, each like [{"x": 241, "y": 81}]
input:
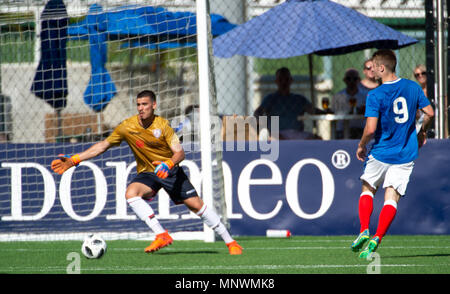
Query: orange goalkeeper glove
[
  {"x": 162, "y": 168},
  {"x": 64, "y": 162}
]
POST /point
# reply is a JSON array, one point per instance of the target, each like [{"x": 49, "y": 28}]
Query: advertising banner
[
  {"x": 313, "y": 188},
  {"x": 309, "y": 188}
]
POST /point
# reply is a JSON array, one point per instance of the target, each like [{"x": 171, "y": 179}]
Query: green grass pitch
[{"x": 296, "y": 255}]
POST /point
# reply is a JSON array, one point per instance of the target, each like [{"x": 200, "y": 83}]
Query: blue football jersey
[{"x": 395, "y": 104}]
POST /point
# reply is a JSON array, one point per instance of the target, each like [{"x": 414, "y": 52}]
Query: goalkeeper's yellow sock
[{"x": 146, "y": 214}]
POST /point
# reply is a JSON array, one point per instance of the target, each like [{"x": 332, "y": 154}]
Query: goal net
[{"x": 69, "y": 74}]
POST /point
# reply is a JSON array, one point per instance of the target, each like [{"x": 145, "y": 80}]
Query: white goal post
[{"x": 204, "y": 86}]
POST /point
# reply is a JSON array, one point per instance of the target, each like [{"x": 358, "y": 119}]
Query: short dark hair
[
  {"x": 283, "y": 70},
  {"x": 385, "y": 57},
  {"x": 147, "y": 93}
]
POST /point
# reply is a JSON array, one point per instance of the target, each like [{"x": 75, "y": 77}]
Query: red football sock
[
  {"x": 387, "y": 215},
  {"x": 365, "y": 209}
]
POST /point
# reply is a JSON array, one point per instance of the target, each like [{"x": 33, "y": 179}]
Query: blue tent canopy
[
  {"x": 100, "y": 89},
  {"x": 149, "y": 27},
  {"x": 159, "y": 46},
  {"x": 133, "y": 21}
]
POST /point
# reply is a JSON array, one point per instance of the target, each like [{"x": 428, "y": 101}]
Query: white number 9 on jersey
[{"x": 401, "y": 109}]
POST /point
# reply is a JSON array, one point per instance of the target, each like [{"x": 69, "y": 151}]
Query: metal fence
[
  {"x": 242, "y": 82},
  {"x": 171, "y": 72}
]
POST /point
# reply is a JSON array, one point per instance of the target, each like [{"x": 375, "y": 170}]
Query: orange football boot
[
  {"x": 162, "y": 240},
  {"x": 234, "y": 248}
]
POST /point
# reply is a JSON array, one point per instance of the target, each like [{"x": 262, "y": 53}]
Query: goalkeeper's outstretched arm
[
  {"x": 64, "y": 163},
  {"x": 95, "y": 150}
]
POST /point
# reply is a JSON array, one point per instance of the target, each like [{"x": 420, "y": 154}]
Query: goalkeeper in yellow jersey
[{"x": 158, "y": 152}]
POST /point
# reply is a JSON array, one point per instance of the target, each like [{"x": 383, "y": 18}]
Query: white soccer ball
[{"x": 93, "y": 246}]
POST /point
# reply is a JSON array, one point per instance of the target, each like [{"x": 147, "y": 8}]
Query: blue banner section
[
  {"x": 313, "y": 188},
  {"x": 91, "y": 197},
  {"x": 307, "y": 187}
]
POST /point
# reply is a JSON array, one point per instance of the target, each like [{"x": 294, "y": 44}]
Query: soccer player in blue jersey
[{"x": 390, "y": 120}]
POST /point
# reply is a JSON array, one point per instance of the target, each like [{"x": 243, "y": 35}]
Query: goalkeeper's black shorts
[{"x": 177, "y": 184}]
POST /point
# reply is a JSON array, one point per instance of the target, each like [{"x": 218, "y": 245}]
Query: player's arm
[
  {"x": 422, "y": 134},
  {"x": 429, "y": 114},
  {"x": 369, "y": 132},
  {"x": 162, "y": 168},
  {"x": 64, "y": 163},
  {"x": 178, "y": 153},
  {"x": 95, "y": 150}
]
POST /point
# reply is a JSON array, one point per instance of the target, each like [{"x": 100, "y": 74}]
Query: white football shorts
[{"x": 390, "y": 175}]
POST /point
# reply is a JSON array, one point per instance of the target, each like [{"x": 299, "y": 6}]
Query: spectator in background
[
  {"x": 420, "y": 73},
  {"x": 287, "y": 106},
  {"x": 369, "y": 82},
  {"x": 350, "y": 100}
]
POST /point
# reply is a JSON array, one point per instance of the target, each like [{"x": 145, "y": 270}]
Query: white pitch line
[
  {"x": 345, "y": 247},
  {"x": 217, "y": 248},
  {"x": 286, "y": 248},
  {"x": 352, "y": 238},
  {"x": 209, "y": 268}
]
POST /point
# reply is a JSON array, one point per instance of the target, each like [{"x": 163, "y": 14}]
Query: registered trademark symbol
[{"x": 340, "y": 159}]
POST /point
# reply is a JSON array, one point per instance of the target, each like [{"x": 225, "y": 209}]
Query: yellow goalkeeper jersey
[{"x": 148, "y": 145}]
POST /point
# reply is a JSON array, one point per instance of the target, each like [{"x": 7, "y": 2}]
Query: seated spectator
[
  {"x": 350, "y": 100},
  {"x": 420, "y": 73},
  {"x": 287, "y": 106}
]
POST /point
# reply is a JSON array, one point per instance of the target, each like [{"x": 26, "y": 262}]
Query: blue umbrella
[
  {"x": 150, "y": 27},
  {"x": 100, "y": 89},
  {"x": 50, "y": 80},
  {"x": 299, "y": 27}
]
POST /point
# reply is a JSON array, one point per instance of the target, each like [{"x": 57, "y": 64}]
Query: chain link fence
[
  {"x": 168, "y": 68},
  {"x": 241, "y": 82},
  {"x": 70, "y": 72},
  {"x": 127, "y": 63}
]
